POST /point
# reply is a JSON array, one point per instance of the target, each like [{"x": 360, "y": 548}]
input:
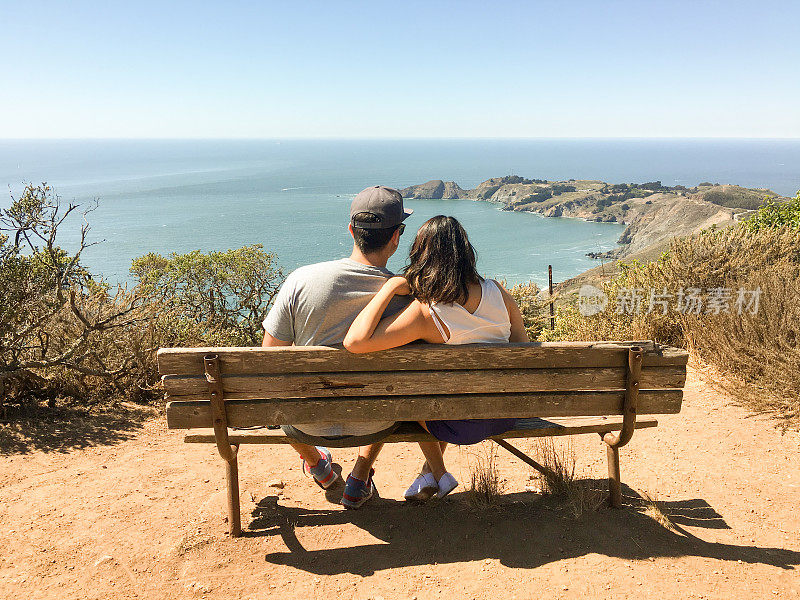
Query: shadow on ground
[
  {"x": 524, "y": 531},
  {"x": 63, "y": 429}
]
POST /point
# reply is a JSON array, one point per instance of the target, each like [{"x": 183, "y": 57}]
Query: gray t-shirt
[{"x": 316, "y": 306}]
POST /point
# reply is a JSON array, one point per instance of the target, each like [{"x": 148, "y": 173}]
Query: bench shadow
[
  {"x": 524, "y": 531},
  {"x": 63, "y": 429},
  {"x": 694, "y": 513}
]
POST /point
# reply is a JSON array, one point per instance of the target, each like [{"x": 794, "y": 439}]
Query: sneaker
[
  {"x": 356, "y": 492},
  {"x": 423, "y": 488},
  {"x": 322, "y": 473},
  {"x": 447, "y": 483}
]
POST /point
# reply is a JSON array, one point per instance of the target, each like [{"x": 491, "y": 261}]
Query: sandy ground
[{"x": 116, "y": 506}]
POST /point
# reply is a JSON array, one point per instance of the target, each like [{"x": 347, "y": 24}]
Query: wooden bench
[{"x": 578, "y": 387}]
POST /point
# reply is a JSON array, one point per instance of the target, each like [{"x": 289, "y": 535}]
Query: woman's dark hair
[{"x": 441, "y": 263}]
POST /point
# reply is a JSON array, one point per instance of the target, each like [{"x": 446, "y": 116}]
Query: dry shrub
[
  {"x": 532, "y": 307},
  {"x": 725, "y": 256},
  {"x": 559, "y": 460},
  {"x": 758, "y": 350},
  {"x": 120, "y": 363},
  {"x": 714, "y": 258},
  {"x": 61, "y": 330},
  {"x": 611, "y": 325},
  {"x": 560, "y": 480},
  {"x": 485, "y": 485}
]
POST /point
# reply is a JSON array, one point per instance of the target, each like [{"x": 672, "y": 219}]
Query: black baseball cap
[{"x": 383, "y": 202}]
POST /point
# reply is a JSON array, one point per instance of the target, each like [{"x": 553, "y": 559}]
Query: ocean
[{"x": 293, "y": 196}]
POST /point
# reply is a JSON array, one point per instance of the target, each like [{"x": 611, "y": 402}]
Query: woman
[{"x": 452, "y": 305}]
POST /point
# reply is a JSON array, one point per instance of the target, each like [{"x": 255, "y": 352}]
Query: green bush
[
  {"x": 776, "y": 214},
  {"x": 539, "y": 196},
  {"x": 734, "y": 198},
  {"x": 216, "y": 298}
]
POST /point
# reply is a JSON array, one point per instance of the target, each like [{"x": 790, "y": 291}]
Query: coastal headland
[{"x": 652, "y": 212}]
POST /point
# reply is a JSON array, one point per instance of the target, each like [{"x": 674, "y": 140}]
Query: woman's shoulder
[
  {"x": 498, "y": 285},
  {"x": 495, "y": 285},
  {"x": 508, "y": 299}
]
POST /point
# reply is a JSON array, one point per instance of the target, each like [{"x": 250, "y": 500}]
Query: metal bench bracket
[
  {"x": 615, "y": 441},
  {"x": 226, "y": 450}
]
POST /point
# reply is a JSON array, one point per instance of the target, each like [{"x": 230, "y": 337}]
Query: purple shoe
[{"x": 356, "y": 492}]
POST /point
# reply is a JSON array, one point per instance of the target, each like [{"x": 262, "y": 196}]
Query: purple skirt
[{"x": 469, "y": 431}]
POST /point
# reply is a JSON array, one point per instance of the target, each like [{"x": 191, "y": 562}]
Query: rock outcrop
[
  {"x": 653, "y": 213},
  {"x": 435, "y": 189}
]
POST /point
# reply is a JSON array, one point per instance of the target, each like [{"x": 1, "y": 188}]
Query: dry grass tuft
[
  {"x": 654, "y": 510},
  {"x": 561, "y": 482},
  {"x": 560, "y": 462},
  {"x": 192, "y": 540},
  {"x": 485, "y": 485}
]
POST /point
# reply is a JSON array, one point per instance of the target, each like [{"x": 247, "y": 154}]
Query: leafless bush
[
  {"x": 53, "y": 313},
  {"x": 67, "y": 334}
]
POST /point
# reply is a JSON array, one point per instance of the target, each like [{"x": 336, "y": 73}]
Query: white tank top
[{"x": 489, "y": 323}]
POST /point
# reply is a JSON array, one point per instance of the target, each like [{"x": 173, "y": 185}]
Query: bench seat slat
[
  {"x": 408, "y": 383},
  {"x": 189, "y": 414},
  {"x": 418, "y": 357},
  {"x": 412, "y": 432}
]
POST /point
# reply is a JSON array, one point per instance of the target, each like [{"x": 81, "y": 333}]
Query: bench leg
[
  {"x": 232, "y": 477},
  {"x": 522, "y": 456},
  {"x": 614, "y": 483}
]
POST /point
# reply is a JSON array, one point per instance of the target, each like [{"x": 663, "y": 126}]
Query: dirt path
[{"x": 131, "y": 512}]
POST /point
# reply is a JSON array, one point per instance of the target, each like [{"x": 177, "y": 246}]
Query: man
[{"x": 315, "y": 307}]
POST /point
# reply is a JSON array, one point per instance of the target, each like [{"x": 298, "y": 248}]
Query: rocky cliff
[
  {"x": 436, "y": 190},
  {"x": 653, "y": 213}
]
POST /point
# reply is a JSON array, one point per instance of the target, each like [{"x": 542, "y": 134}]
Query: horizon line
[{"x": 389, "y": 138}]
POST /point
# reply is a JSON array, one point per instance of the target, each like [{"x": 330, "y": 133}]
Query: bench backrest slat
[
  {"x": 410, "y": 383},
  {"x": 421, "y": 357},
  {"x": 307, "y": 384},
  {"x": 247, "y": 413}
]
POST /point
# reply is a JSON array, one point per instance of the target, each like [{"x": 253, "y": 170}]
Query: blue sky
[{"x": 399, "y": 69}]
